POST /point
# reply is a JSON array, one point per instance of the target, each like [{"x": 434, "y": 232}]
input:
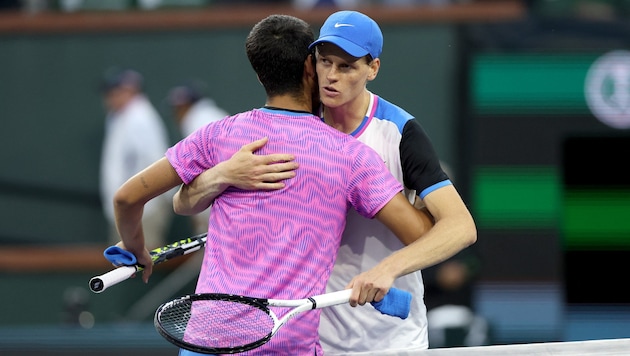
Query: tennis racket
[
  {"x": 224, "y": 324},
  {"x": 130, "y": 266}
]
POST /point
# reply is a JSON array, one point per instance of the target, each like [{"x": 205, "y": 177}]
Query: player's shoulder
[
  {"x": 407, "y": 124},
  {"x": 388, "y": 111}
]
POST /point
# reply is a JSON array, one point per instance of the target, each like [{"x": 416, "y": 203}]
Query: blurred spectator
[
  {"x": 449, "y": 288},
  {"x": 135, "y": 137},
  {"x": 192, "y": 109}
]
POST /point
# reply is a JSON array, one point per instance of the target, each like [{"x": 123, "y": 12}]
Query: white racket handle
[
  {"x": 102, "y": 282},
  {"x": 335, "y": 298},
  {"x": 395, "y": 303}
]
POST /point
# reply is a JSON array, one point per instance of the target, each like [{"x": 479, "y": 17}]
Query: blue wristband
[
  {"x": 119, "y": 256},
  {"x": 396, "y": 302}
]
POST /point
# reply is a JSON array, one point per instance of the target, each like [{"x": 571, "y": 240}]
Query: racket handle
[
  {"x": 334, "y": 298},
  {"x": 396, "y": 302},
  {"x": 102, "y": 282}
]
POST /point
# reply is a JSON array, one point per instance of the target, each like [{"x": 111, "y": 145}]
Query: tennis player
[
  {"x": 347, "y": 51},
  {"x": 280, "y": 244}
]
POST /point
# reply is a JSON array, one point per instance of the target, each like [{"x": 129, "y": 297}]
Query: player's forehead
[{"x": 328, "y": 49}]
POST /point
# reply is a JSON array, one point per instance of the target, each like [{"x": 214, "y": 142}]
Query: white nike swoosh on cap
[{"x": 343, "y": 24}]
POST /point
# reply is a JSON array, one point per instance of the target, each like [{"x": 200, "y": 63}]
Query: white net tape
[{"x": 572, "y": 348}]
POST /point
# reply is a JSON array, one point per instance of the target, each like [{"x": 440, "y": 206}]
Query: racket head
[{"x": 216, "y": 323}]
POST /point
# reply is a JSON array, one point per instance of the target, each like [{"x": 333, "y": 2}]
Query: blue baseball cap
[{"x": 352, "y": 31}]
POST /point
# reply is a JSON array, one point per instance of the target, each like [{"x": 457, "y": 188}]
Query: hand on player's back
[{"x": 250, "y": 171}]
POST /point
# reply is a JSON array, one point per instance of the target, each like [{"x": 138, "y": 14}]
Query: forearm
[
  {"x": 453, "y": 231},
  {"x": 447, "y": 237},
  {"x": 128, "y": 216},
  {"x": 244, "y": 170},
  {"x": 131, "y": 197},
  {"x": 199, "y": 194},
  {"x": 426, "y": 243},
  {"x": 129, "y": 225},
  {"x": 444, "y": 240},
  {"x": 129, "y": 203}
]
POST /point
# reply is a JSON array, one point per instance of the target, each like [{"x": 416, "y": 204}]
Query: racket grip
[
  {"x": 396, "y": 302},
  {"x": 102, "y": 282}
]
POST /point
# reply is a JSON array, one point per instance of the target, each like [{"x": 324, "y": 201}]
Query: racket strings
[{"x": 216, "y": 323}]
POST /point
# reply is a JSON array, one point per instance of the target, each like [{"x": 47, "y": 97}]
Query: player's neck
[
  {"x": 346, "y": 118},
  {"x": 289, "y": 102}
]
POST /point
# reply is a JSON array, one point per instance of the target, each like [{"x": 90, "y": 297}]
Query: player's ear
[
  {"x": 375, "y": 65},
  {"x": 309, "y": 77},
  {"x": 309, "y": 66}
]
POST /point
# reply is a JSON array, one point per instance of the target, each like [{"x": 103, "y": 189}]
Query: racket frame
[{"x": 298, "y": 305}]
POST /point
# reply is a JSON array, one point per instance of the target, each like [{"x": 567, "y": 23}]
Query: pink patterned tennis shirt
[{"x": 282, "y": 244}]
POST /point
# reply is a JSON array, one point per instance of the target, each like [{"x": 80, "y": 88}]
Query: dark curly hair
[{"x": 277, "y": 47}]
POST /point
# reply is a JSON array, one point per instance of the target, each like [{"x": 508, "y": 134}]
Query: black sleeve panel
[{"x": 420, "y": 163}]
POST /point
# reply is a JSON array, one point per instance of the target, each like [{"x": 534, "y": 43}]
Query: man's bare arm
[
  {"x": 129, "y": 202},
  {"x": 430, "y": 244},
  {"x": 244, "y": 170}
]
